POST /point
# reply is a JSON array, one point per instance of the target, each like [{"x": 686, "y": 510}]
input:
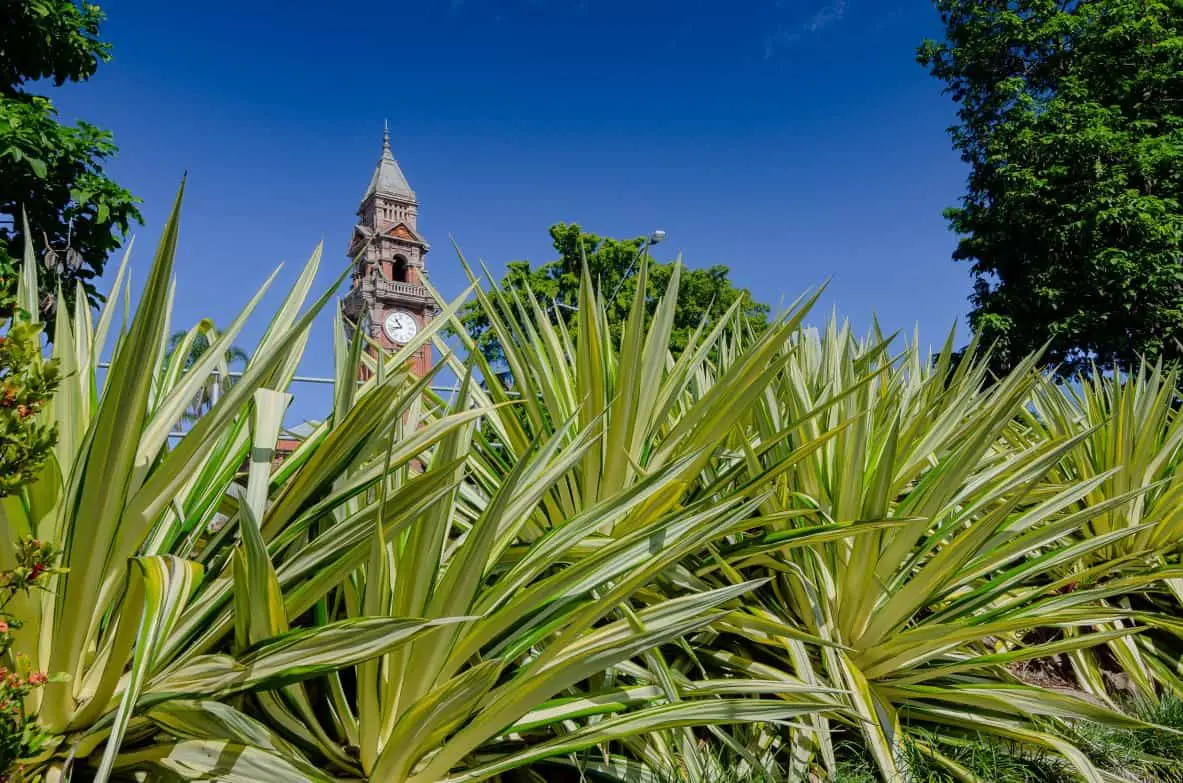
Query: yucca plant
[
  {"x": 631, "y": 563},
  {"x": 527, "y": 526},
  {"x": 659, "y": 417},
  {"x": 269, "y": 649},
  {"x": 918, "y": 620},
  {"x": 124, "y": 507},
  {"x": 1131, "y": 452}
]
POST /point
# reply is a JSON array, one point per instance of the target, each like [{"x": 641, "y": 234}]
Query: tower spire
[{"x": 388, "y": 180}]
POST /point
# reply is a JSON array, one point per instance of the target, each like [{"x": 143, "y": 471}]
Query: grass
[
  {"x": 1147, "y": 755},
  {"x": 1139, "y": 756},
  {"x": 984, "y": 758}
]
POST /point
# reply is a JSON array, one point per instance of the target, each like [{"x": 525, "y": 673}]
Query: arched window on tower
[{"x": 399, "y": 272}]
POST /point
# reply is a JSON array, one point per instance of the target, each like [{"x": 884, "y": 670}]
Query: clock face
[{"x": 400, "y": 326}]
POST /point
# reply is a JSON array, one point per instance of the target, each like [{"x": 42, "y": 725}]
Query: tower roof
[{"x": 388, "y": 179}]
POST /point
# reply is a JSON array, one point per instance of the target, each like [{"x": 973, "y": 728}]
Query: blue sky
[{"x": 794, "y": 140}]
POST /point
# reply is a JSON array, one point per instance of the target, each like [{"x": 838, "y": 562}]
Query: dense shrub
[{"x": 793, "y": 554}]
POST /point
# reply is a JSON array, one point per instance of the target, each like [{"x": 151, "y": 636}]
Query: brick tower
[{"x": 388, "y": 298}]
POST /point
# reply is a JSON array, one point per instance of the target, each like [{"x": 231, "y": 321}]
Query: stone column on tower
[{"x": 387, "y": 295}]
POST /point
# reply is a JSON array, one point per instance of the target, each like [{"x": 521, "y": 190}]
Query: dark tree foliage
[
  {"x": 54, "y": 172},
  {"x": 612, "y": 263},
  {"x": 1071, "y": 119}
]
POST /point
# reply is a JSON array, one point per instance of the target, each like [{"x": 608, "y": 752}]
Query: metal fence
[{"x": 214, "y": 393}]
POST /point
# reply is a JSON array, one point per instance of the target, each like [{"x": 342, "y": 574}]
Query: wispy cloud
[
  {"x": 811, "y": 22},
  {"x": 826, "y": 15}
]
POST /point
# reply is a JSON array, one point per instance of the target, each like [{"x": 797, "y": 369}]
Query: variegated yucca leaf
[
  {"x": 1132, "y": 459},
  {"x": 549, "y": 568},
  {"x": 609, "y": 557},
  {"x": 135, "y": 616},
  {"x": 918, "y": 621}
]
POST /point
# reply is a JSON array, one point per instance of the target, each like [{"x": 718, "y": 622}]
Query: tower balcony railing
[
  {"x": 406, "y": 289},
  {"x": 382, "y": 288},
  {"x": 377, "y": 289}
]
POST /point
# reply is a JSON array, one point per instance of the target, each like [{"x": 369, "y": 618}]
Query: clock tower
[{"x": 388, "y": 299}]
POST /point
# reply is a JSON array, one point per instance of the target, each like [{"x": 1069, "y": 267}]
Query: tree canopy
[
  {"x": 613, "y": 264},
  {"x": 54, "y": 172},
  {"x": 1070, "y": 115}
]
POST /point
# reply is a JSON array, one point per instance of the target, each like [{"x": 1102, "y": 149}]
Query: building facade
[{"x": 388, "y": 299}]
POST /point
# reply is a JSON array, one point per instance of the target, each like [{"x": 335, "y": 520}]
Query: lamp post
[
  {"x": 657, "y": 236},
  {"x": 654, "y": 238}
]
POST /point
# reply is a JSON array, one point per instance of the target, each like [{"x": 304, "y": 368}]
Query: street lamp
[{"x": 656, "y": 237}]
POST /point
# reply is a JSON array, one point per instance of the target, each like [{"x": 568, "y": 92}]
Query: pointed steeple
[{"x": 388, "y": 179}]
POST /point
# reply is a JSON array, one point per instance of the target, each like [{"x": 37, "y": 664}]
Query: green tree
[
  {"x": 54, "y": 172},
  {"x": 1071, "y": 119},
  {"x": 613, "y": 264}
]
